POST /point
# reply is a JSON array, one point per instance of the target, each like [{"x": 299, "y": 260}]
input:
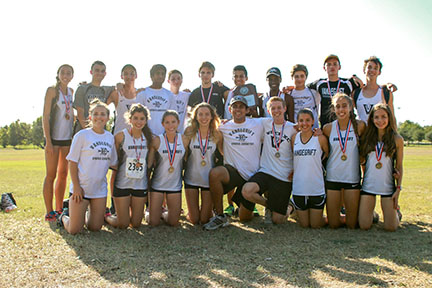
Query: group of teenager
[{"x": 299, "y": 148}]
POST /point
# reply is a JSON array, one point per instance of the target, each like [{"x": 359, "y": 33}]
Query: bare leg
[
  {"x": 367, "y": 206},
  {"x": 316, "y": 218},
  {"x": 245, "y": 214},
  {"x": 62, "y": 172},
  {"x": 391, "y": 220},
  {"x": 192, "y": 200},
  {"x": 75, "y": 222},
  {"x": 137, "y": 210},
  {"x": 352, "y": 200},
  {"x": 156, "y": 199},
  {"x": 333, "y": 205},
  {"x": 206, "y": 206},
  {"x": 174, "y": 208},
  {"x": 96, "y": 214},
  {"x": 122, "y": 219},
  {"x": 51, "y": 162},
  {"x": 217, "y": 177}
]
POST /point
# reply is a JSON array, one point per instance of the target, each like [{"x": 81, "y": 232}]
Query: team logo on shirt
[
  {"x": 157, "y": 101},
  {"x": 368, "y": 108},
  {"x": 241, "y": 137},
  {"x": 103, "y": 151},
  {"x": 325, "y": 91}
]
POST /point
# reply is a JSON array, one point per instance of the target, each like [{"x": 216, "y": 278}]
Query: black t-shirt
[
  {"x": 216, "y": 99},
  {"x": 346, "y": 86}
]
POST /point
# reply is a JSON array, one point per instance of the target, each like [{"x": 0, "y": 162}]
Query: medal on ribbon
[
  {"x": 343, "y": 141},
  {"x": 138, "y": 155},
  {"x": 277, "y": 142},
  {"x": 209, "y": 95},
  {"x": 171, "y": 153},
  {"x": 379, "y": 148},
  {"x": 67, "y": 104},
  {"x": 329, "y": 90},
  {"x": 203, "y": 148}
]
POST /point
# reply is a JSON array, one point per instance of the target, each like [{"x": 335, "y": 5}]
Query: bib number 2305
[{"x": 134, "y": 169}]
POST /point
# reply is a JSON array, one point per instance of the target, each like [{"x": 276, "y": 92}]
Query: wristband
[{"x": 399, "y": 187}]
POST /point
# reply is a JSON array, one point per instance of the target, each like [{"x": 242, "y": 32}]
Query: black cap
[{"x": 274, "y": 71}]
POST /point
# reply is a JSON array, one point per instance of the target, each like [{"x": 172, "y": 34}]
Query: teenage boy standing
[
  {"x": 208, "y": 92},
  {"x": 157, "y": 99},
  {"x": 86, "y": 93},
  {"x": 175, "y": 79}
]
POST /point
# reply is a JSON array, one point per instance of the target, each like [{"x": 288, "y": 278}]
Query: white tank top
[
  {"x": 306, "y": 98},
  {"x": 280, "y": 167},
  {"x": 63, "y": 127},
  {"x": 242, "y": 145},
  {"x": 266, "y": 99},
  {"x": 347, "y": 171},
  {"x": 227, "y": 114},
  {"x": 197, "y": 174},
  {"x": 162, "y": 179},
  {"x": 364, "y": 105},
  {"x": 123, "y": 106},
  {"x": 128, "y": 146},
  {"x": 378, "y": 181},
  {"x": 308, "y": 177}
]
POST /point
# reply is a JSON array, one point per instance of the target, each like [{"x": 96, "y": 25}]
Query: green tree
[
  {"x": 419, "y": 135},
  {"x": 428, "y": 136},
  {"x": 4, "y": 137},
  {"x": 37, "y": 136},
  {"x": 19, "y": 133},
  {"x": 407, "y": 128}
]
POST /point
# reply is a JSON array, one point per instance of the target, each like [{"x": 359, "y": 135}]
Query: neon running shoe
[
  {"x": 255, "y": 212},
  {"x": 229, "y": 210},
  {"x": 51, "y": 216}
]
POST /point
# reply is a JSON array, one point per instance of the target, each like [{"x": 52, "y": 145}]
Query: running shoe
[
  {"x": 60, "y": 217},
  {"x": 399, "y": 214},
  {"x": 229, "y": 210},
  {"x": 7, "y": 202},
  {"x": 255, "y": 212},
  {"x": 216, "y": 222},
  {"x": 51, "y": 216},
  {"x": 268, "y": 216}
]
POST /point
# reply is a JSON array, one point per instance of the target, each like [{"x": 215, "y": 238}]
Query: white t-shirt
[
  {"x": 242, "y": 145},
  {"x": 306, "y": 98},
  {"x": 94, "y": 153},
  {"x": 157, "y": 101},
  {"x": 182, "y": 99},
  {"x": 278, "y": 167}
]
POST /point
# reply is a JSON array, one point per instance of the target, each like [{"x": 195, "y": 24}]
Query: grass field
[{"x": 34, "y": 253}]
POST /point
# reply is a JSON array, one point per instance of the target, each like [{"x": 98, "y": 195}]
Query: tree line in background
[{"x": 19, "y": 133}]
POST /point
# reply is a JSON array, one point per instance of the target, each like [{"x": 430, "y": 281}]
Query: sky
[{"x": 38, "y": 36}]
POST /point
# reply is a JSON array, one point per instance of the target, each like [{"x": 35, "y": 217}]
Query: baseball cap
[
  {"x": 331, "y": 56},
  {"x": 238, "y": 98},
  {"x": 274, "y": 71}
]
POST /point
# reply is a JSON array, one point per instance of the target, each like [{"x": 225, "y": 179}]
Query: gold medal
[
  {"x": 378, "y": 165},
  {"x": 277, "y": 154},
  {"x": 138, "y": 164},
  {"x": 203, "y": 163},
  {"x": 67, "y": 116},
  {"x": 171, "y": 169},
  {"x": 344, "y": 157}
]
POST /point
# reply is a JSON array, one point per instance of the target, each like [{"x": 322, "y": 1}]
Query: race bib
[{"x": 134, "y": 169}]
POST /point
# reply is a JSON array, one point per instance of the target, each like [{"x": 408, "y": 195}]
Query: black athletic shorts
[
  {"x": 340, "y": 185},
  {"x": 167, "y": 192},
  {"x": 129, "y": 192},
  {"x": 61, "y": 142},
  {"x": 187, "y": 186},
  {"x": 309, "y": 202},
  {"x": 279, "y": 192},
  {"x": 236, "y": 181},
  {"x": 371, "y": 194}
]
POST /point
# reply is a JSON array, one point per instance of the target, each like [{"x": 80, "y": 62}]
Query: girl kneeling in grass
[
  {"x": 91, "y": 154},
  {"x": 381, "y": 145},
  {"x": 131, "y": 183},
  {"x": 168, "y": 151},
  {"x": 308, "y": 181}
]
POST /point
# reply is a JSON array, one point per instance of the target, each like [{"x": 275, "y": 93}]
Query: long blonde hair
[{"x": 213, "y": 125}]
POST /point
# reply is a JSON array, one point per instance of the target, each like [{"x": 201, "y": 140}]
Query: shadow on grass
[{"x": 252, "y": 254}]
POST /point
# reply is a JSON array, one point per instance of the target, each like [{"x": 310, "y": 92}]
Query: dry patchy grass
[{"x": 34, "y": 253}]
